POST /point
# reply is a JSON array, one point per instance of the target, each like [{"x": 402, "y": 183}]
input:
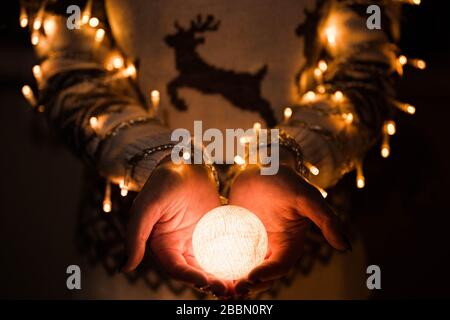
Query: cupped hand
[
  {"x": 164, "y": 215},
  {"x": 286, "y": 204}
]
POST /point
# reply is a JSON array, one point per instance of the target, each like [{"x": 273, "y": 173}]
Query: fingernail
[
  {"x": 122, "y": 263},
  {"x": 349, "y": 244}
]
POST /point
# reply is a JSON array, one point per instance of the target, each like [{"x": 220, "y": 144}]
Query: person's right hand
[{"x": 165, "y": 212}]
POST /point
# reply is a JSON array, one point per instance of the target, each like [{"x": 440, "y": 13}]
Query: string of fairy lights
[
  {"x": 330, "y": 34},
  {"x": 43, "y": 24},
  {"x": 118, "y": 66}
]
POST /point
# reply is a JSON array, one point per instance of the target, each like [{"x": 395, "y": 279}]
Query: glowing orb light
[{"x": 229, "y": 241}]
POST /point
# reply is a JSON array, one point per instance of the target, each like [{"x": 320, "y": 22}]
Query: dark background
[{"x": 402, "y": 214}]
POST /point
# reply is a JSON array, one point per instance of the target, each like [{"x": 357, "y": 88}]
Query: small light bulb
[
  {"x": 29, "y": 95},
  {"x": 322, "y": 191},
  {"x": 23, "y": 21},
  {"x": 239, "y": 160},
  {"x": 313, "y": 169},
  {"x": 155, "y": 94},
  {"x": 123, "y": 188},
  {"x": 385, "y": 151},
  {"x": 124, "y": 192},
  {"x": 94, "y": 22},
  {"x": 117, "y": 62},
  {"x": 26, "y": 90},
  {"x": 107, "y": 205},
  {"x": 403, "y": 60},
  {"x": 317, "y": 72},
  {"x": 323, "y": 65},
  {"x": 114, "y": 61},
  {"x": 309, "y": 96},
  {"x": 410, "y": 109},
  {"x": 348, "y": 117},
  {"x": 130, "y": 71},
  {"x": 406, "y": 107},
  {"x": 37, "y": 72},
  {"x": 37, "y": 23},
  {"x": 34, "y": 38},
  {"x": 420, "y": 64},
  {"x": 244, "y": 140},
  {"x": 338, "y": 96},
  {"x": 99, "y": 35},
  {"x": 416, "y": 2},
  {"x": 321, "y": 89},
  {"x": 93, "y": 122},
  {"x": 155, "y": 97},
  {"x": 287, "y": 113},
  {"x": 257, "y": 126},
  {"x": 360, "y": 182},
  {"x": 85, "y": 18},
  {"x": 186, "y": 155},
  {"x": 390, "y": 127},
  {"x": 23, "y": 18}
]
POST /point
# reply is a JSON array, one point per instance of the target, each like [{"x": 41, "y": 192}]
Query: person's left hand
[{"x": 285, "y": 203}]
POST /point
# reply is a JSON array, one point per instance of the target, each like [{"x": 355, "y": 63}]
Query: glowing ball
[{"x": 229, "y": 241}]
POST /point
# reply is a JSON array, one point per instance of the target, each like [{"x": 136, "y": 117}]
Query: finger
[
  {"x": 242, "y": 286},
  {"x": 144, "y": 215},
  {"x": 175, "y": 264},
  {"x": 216, "y": 286},
  {"x": 261, "y": 287},
  {"x": 321, "y": 214},
  {"x": 219, "y": 288},
  {"x": 246, "y": 287},
  {"x": 269, "y": 270},
  {"x": 275, "y": 267},
  {"x": 257, "y": 289}
]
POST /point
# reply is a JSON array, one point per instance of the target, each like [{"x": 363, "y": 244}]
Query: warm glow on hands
[
  {"x": 167, "y": 210},
  {"x": 285, "y": 203}
]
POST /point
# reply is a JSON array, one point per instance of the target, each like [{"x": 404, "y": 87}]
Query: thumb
[
  {"x": 322, "y": 215},
  {"x": 144, "y": 215}
]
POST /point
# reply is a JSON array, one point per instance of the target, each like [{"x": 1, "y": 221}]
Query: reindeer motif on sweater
[{"x": 242, "y": 89}]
